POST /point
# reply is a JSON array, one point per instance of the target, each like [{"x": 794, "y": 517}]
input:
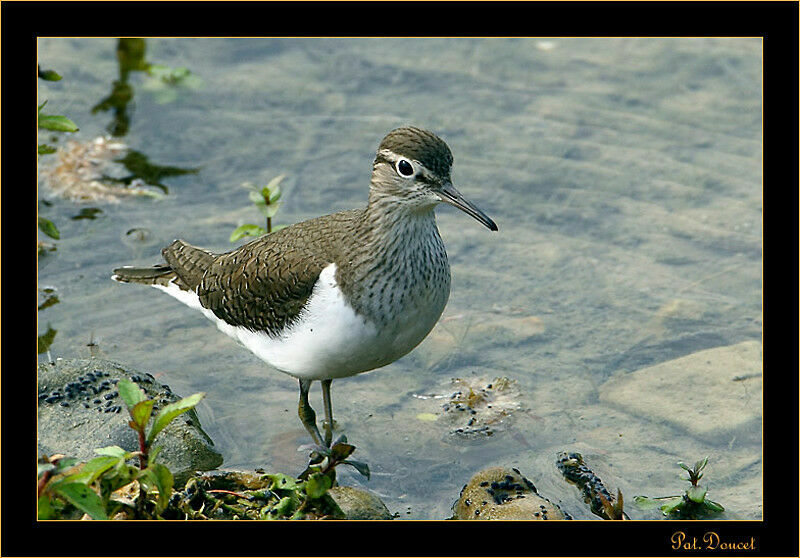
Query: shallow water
[{"x": 624, "y": 175}]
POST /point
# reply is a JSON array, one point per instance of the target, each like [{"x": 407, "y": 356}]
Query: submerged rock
[
  {"x": 80, "y": 410},
  {"x": 713, "y": 394},
  {"x": 480, "y": 407},
  {"x": 471, "y": 333},
  {"x": 501, "y": 493},
  {"x": 357, "y": 503}
]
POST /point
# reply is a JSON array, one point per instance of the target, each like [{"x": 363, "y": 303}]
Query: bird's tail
[{"x": 156, "y": 275}]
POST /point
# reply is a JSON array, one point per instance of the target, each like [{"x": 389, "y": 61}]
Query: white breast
[{"x": 328, "y": 340}]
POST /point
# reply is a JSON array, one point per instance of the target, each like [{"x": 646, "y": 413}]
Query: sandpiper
[{"x": 338, "y": 295}]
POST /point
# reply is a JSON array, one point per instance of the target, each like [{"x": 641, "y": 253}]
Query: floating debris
[
  {"x": 480, "y": 408},
  {"x": 49, "y": 297},
  {"x": 87, "y": 213},
  {"x": 83, "y": 172}
]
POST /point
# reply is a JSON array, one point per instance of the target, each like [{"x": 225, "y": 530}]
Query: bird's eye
[{"x": 404, "y": 168}]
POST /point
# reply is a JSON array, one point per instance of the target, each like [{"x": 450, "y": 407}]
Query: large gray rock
[
  {"x": 713, "y": 395},
  {"x": 80, "y": 410}
]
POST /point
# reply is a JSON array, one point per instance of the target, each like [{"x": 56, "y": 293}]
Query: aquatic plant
[
  {"x": 52, "y": 122},
  {"x": 266, "y": 200},
  {"x": 235, "y": 495},
  {"x": 108, "y": 485},
  {"x": 692, "y": 504}
]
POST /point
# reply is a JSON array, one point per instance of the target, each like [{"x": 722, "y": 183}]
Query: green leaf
[
  {"x": 159, "y": 477},
  {"x": 317, "y": 485},
  {"x": 270, "y": 210},
  {"x": 41, "y": 107},
  {"x": 282, "y": 482},
  {"x": 284, "y": 506},
  {"x": 152, "y": 454},
  {"x": 272, "y": 194},
  {"x": 256, "y": 198},
  {"x": 684, "y": 466},
  {"x": 113, "y": 451},
  {"x": 700, "y": 465},
  {"x": 697, "y": 494},
  {"x": 49, "y": 75},
  {"x": 83, "y": 498},
  {"x": 57, "y": 123},
  {"x": 168, "y": 413},
  {"x": 246, "y": 230},
  {"x": 272, "y": 184},
  {"x": 713, "y": 506},
  {"x": 93, "y": 469},
  {"x": 48, "y": 228},
  {"x": 646, "y": 503},
  {"x": 44, "y": 510},
  {"x": 45, "y": 149},
  {"x": 131, "y": 393},
  {"x": 362, "y": 468},
  {"x": 66, "y": 463},
  {"x": 342, "y": 451},
  {"x": 121, "y": 475},
  {"x": 671, "y": 504},
  {"x": 140, "y": 413}
]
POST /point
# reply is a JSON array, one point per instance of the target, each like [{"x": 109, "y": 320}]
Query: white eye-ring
[{"x": 404, "y": 168}]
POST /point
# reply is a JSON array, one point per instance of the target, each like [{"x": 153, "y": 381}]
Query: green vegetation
[
  {"x": 266, "y": 200},
  {"x": 67, "y": 488},
  {"x": 123, "y": 484},
  {"x": 52, "y": 122},
  {"x": 268, "y": 496},
  {"x": 692, "y": 504},
  {"x": 48, "y": 228}
]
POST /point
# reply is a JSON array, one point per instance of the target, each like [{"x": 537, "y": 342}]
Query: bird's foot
[{"x": 325, "y": 459}]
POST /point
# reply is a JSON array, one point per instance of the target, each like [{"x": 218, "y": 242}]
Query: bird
[{"x": 337, "y": 295}]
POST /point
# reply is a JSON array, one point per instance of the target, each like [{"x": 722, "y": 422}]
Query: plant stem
[
  {"x": 42, "y": 483},
  {"x": 143, "y": 449},
  {"x": 269, "y": 219}
]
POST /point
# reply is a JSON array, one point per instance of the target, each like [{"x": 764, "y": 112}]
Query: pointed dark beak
[{"x": 450, "y": 195}]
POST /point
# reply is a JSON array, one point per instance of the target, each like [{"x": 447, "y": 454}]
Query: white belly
[{"x": 329, "y": 340}]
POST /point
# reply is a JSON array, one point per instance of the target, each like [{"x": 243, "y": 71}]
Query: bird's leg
[
  {"x": 326, "y": 399},
  {"x": 307, "y": 415}
]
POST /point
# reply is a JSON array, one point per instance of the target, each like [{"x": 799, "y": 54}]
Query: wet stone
[
  {"x": 358, "y": 503},
  {"x": 504, "y": 494},
  {"x": 77, "y": 430}
]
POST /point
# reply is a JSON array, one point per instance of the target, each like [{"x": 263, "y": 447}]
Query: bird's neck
[{"x": 400, "y": 260}]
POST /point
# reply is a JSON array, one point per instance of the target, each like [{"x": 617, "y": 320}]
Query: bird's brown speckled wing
[{"x": 264, "y": 284}]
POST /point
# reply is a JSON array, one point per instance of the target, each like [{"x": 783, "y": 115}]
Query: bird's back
[{"x": 262, "y": 285}]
